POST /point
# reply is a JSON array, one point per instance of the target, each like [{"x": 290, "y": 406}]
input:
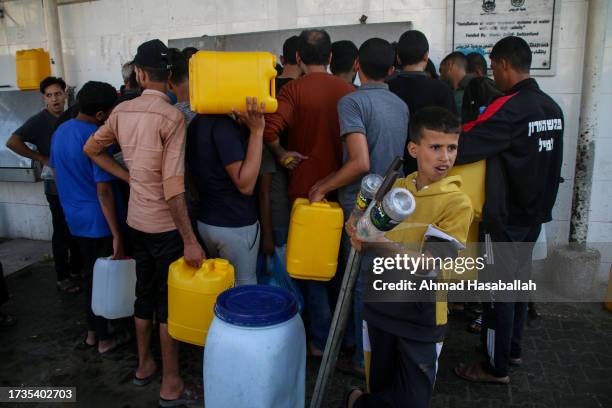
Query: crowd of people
[{"x": 140, "y": 174}]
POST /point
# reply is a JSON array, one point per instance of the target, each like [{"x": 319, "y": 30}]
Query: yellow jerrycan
[
  {"x": 314, "y": 239},
  {"x": 192, "y": 294},
  {"x": 32, "y": 67},
  {"x": 220, "y": 81},
  {"x": 473, "y": 184}
]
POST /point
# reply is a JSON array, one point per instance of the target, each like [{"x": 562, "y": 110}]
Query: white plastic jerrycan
[{"x": 114, "y": 288}]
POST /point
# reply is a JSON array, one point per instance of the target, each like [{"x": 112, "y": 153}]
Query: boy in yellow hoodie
[{"x": 406, "y": 337}]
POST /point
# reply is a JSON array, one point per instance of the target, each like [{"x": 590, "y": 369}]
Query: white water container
[
  {"x": 114, "y": 288},
  {"x": 255, "y": 353}
]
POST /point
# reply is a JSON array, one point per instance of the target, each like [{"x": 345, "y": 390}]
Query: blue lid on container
[{"x": 256, "y": 306}]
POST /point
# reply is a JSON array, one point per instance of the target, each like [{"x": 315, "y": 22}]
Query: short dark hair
[
  {"x": 189, "y": 51},
  {"x": 51, "y": 80},
  {"x": 180, "y": 67},
  {"x": 457, "y": 58},
  {"x": 431, "y": 69},
  {"x": 344, "y": 54},
  {"x": 412, "y": 47},
  {"x": 433, "y": 118},
  {"x": 314, "y": 47},
  {"x": 96, "y": 96},
  {"x": 396, "y": 63},
  {"x": 376, "y": 57},
  {"x": 515, "y": 51},
  {"x": 155, "y": 74},
  {"x": 476, "y": 62},
  {"x": 290, "y": 47}
]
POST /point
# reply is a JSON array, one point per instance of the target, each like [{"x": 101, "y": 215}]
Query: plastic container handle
[{"x": 321, "y": 204}]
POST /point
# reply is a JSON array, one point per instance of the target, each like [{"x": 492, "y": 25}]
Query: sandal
[
  {"x": 120, "y": 340},
  {"x": 347, "y": 396},
  {"x": 476, "y": 373},
  {"x": 7, "y": 320},
  {"x": 141, "y": 382},
  {"x": 68, "y": 286},
  {"x": 84, "y": 345},
  {"x": 189, "y": 396}
]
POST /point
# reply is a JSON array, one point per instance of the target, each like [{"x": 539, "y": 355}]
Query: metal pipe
[
  {"x": 589, "y": 115},
  {"x": 54, "y": 38},
  {"x": 337, "y": 327}
]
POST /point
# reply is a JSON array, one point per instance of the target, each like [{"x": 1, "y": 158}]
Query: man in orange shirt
[
  {"x": 151, "y": 133},
  {"x": 307, "y": 108}
]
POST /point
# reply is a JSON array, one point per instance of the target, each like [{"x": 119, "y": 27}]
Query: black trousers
[
  {"x": 3, "y": 291},
  {"x": 503, "y": 322},
  {"x": 153, "y": 254},
  {"x": 402, "y": 371},
  {"x": 92, "y": 249},
  {"x": 66, "y": 254}
]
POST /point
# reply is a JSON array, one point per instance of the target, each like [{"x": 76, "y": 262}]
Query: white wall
[
  {"x": 600, "y": 218},
  {"x": 100, "y": 35}
]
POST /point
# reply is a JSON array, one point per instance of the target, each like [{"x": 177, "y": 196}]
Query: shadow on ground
[{"x": 568, "y": 356}]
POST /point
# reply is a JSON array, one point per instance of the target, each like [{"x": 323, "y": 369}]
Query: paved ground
[{"x": 568, "y": 354}]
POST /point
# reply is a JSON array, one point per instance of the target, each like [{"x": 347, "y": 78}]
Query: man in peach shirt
[{"x": 151, "y": 133}]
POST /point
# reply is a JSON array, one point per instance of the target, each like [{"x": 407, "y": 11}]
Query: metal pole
[
  {"x": 589, "y": 115},
  {"x": 343, "y": 305},
  {"x": 336, "y": 332},
  {"x": 54, "y": 38}
]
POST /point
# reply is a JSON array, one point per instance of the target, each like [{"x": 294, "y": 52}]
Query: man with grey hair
[{"x": 130, "y": 88}]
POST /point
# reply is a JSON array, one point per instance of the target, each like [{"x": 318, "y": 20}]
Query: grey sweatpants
[{"x": 238, "y": 245}]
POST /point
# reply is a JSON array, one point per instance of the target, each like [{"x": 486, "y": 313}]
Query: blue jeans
[
  {"x": 280, "y": 235},
  {"x": 353, "y": 333},
  {"x": 319, "y": 312}
]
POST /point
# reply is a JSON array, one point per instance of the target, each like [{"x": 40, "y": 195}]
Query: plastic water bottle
[
  {"x": 369, "y": 186},
  {"x": 383, "y": 215}
]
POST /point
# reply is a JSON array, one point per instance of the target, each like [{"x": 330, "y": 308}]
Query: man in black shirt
[
  {"x": 38, "y": 131},
  {"x": 453, "y": 71},
  {"x": 520, "y": 135},
  {"x": 291, "y": 69},
  {"x": 344, "y": 60},
  {"x": 480, "y": 91},
  {"x": 413, "y": 86}
]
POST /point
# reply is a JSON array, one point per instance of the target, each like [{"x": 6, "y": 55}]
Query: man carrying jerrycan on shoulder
[{"x": 157, "y": 214}]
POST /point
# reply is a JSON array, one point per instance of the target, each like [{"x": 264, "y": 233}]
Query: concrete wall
[
  {"x": 600, "y": 221},
  {"x": 100, "y": 35},
  {"x": 24, "y": 212}
]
